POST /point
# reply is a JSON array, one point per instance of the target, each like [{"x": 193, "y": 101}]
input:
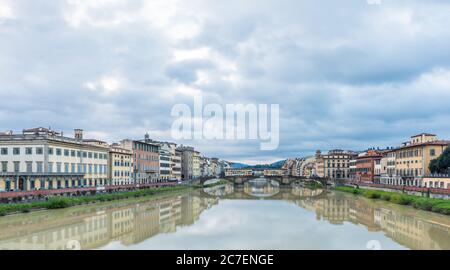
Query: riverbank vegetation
[
  {"x": 428, "y": 204},
  {"x": 63, "y": 202}
]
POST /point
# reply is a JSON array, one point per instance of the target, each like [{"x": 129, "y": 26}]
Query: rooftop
[
  {"x": 423, "y": 134},
  {"x": 439, "y": 143}
]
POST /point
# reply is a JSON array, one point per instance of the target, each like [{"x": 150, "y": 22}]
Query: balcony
[{"x": 43, "y": 174}]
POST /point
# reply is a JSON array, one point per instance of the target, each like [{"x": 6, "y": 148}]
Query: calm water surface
[{"x": 259, "y": 215}]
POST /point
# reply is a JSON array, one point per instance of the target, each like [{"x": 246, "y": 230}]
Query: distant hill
[
  {"x": 238, "y": 165},
  {"x": 275, "y": 165}
]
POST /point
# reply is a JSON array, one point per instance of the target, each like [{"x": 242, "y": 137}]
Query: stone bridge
[
  {"x": 282, "y": 180},
  {"x": 281, "y": 194}
]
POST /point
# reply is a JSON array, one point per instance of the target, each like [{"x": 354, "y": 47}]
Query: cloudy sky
[{"x": 351, "y": 75}]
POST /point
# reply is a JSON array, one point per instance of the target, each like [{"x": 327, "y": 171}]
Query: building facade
[
  {"x": 408, "y": 165},
  {"x": 335, "y": 164},
  {"x": 368, "y": 166},
  {"x": 388, "y": 168},
  {"x": 176, "y": 164},
  {"x": 187, "y": 168},
  {"x": 41, "y": 158},
  {"x": 274, "y": 172},
  {"x": 145, "y": 160},
  {"x": 120, "y": 166},
  {"x": 413, "y": 158},
  {"x": 165, "y": 163},
  {"x": 196, "y": 173},
  {"x": 320, "y": 164},
  {"x": 238, "y": 172}
]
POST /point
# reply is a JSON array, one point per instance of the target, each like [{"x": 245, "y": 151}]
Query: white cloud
[
  {"x": 107, "y": 84},
  {"x": 6, "y": 10},
  {"x": 352, "y": 77}
]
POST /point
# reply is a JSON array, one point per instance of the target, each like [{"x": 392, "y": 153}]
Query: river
[{"x": 259, "y": 215}]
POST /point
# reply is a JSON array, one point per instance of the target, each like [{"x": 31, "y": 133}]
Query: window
[
  {"x": 39, "y": 151},
  {"x": 50, "y": 167},
  {"x": 16, "y": 151},
  {"x": 50, "y": 151},
  {"x": 90, "y": 155},
  {"x": 29, "y": 166},
  {"x": 66, "y": 152},
  {"x": 28, "y": 151},
  {"x": 95, "y": 155},
  {"x": 16, "y": 166},
  {"x": 4, "y": 151},
  {"x": 58, "y": 167},
  {"x": 72, "y": 153},
  {"x": 78, "y": 153},
  {"x": 84, "y": 154},
  {"x": 4, "y": 166},
  {"x": 73, "y": 167},
  {"x": 58, "y": 151},
  {"x": 66, "y": 167},
  {"x": 39, "y": 167},
  {"x": 432, "y": 152}
]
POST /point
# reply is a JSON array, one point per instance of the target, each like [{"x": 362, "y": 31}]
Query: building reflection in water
[
  {"x": 130, "y": 223},
  {"x": 221, "y": 190},
  {"x": 96, "y": 227},
  {"x": 401, "y": 224}
]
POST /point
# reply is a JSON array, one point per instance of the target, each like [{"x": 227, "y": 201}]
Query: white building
[
  {"x": 40, "y": 158},
  {"x": 165, "y": 162}
]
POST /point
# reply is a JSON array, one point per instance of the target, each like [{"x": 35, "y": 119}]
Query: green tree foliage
[{"x": 442, "y": 163}]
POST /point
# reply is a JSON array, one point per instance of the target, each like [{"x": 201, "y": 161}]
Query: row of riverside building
[
  {"x": 405, "y": 165},
  {"x": 43, "y": 159}
]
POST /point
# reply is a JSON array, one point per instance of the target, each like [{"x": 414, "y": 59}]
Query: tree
[{"x": 442, "y": 163}]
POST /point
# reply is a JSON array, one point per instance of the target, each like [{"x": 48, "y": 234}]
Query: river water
[{"x": 259, "y": 215}]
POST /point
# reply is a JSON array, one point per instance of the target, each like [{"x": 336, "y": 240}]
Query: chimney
[{"x": 79, "y": 134}]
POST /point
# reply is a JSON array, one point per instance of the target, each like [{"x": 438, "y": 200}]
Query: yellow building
[
  {"x": 436, "y": 182},
  {"x": 120, "y": 165},
  {"x": 413, "y": 158}
]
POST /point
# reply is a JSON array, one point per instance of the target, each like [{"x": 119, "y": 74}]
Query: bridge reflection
[{"x": 262, "y": 188}]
